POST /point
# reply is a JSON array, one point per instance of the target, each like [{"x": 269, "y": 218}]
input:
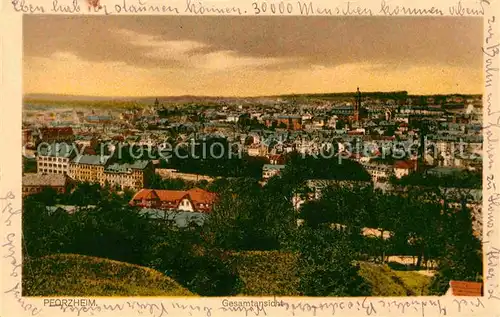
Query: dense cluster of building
[{"x": 66, "y": 142}]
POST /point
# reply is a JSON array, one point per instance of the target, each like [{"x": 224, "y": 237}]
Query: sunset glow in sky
[{"x": 249, "y": 56}]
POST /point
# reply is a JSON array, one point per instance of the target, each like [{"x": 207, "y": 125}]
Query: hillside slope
[
  {"x": 79, "y": 275},
  {"x": 387, "y": 282},
  {"x": 267, "y": 273}
]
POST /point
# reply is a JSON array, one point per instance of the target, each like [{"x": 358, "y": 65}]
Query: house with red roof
[
  {"x": 193, "y": 200},
  {"x": 276, "y": 159},
  {"x": 464, "y": 288},
  {"x": 404, "y": 168},
  {"x": 59, "y": 134}
]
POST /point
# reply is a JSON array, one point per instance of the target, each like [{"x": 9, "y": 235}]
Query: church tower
[{"x": 357, "y": 105}]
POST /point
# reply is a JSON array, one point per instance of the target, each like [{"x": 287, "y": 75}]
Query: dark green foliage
[
  {"x": 203, "y": 270},
  {"x": 302, "y": 167},
  {"x": 249, "y": 217},
  {"x": 462, "y": 179},
  {"x": 267, "y": 273},
  {"x": 108, "y": 229},
  {"x": 111, "y": 229},
  {"x": 29, "y": 165},
  {"x": 327, "y": 265},
  {"x": 462, "y": 259},
  {"x": 45, "y": 232}
]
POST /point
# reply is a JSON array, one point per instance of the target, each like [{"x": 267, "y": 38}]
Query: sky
[{"x": 249, "y": 56}]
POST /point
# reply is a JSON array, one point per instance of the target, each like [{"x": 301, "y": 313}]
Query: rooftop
[
  {"x": 196, "y": 195},
  {"x": 181, "y": 219},
  {"x": 463, "y": 288},
  {"x": 91, "y": 159},
  {"x": 57, "y": 150},
  {"x": 273, "y": 167},
  {"x": 126, "y": 167},
  {"x": 54, "y": 180}
]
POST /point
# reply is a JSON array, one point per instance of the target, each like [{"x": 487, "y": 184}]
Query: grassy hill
[
  {"x": 79, "y": 275},
  {"x": 263, "y": 273},
  {"x": 387, "y": 282},
  {"x": 266, "y": 273}
]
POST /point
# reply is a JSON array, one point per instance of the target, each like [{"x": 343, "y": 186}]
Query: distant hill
[
  {"x": 149, "y": 100},
  {"x": 80, "y": 275}
]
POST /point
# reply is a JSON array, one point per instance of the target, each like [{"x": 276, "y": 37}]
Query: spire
[{"x": 357, "y": 105}]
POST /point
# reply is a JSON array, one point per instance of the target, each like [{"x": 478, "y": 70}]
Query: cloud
[
  {"x": 226, "y": 60},
  {"x": 243, "y": 57},
  {"x": 64, "y": 56},
  {"x": 194, "y": 54},
  {"x": 158, "y": 48}
]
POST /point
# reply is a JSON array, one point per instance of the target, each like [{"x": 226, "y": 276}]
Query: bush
[
  {"x": 204, "y": 271},
  {"x": 267, "y": 273},
  {"x": 327, "y": 265}
]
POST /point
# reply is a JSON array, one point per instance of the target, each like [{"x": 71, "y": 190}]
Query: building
[
  {"x": 270, "y": 170},
  {"x": 178, "y": 219},
  {"x": 35, "y": 183},
  {"x": 404, "y": 168},
  {"x": 98, "y": 169},
  {"x": 173, "y": 173},
  {"x": 27, "y": 136},
  {"x": 98, "y": 119},
  {"x": 257, "y": 150},
  {"x": 357, "y": 106},
  {"x": 128, "y": 176},
  {"x": 379, "y": 172},
  {"x": 193, "y": 200},
  {"x": 342, "y": 111},
  {"x": 55, "y": 158},
  {"x": 276, "y": 159},
  {"x": 88, "y": 168},
  {"x": 465, "y": 288},
  {"x": 86, "y": 141},
  {"x": 59, "y": 134},
  {"x": 290, "y": 122}
]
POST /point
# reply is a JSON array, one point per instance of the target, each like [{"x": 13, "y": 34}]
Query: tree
[
  {"x": 343, "y": 204},
  {"x": 197, "y": 265},
  {"x": 249, "y": 217},
  {"x": 111, "y": 230},
  {"x": 231, "y": 218},
  {"x": 155, "y": 182},
  {"x": 384, "y": 215},
  {"x": 44, "y": 231},
  {"x": 86, "y": 194},
  {"x": 462, "y": 256},
  {"x": 340, "y": 124},
  {"x": 327, "y": 265}
]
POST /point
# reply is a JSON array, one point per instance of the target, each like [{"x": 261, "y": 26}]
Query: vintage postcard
[{"x": 230, "y": 158}]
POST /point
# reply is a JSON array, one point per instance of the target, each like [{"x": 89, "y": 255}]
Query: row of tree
[{"x": 248, "y": 216}]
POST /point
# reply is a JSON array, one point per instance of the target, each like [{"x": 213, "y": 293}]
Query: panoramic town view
[{"x": 223, "y": 156}]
